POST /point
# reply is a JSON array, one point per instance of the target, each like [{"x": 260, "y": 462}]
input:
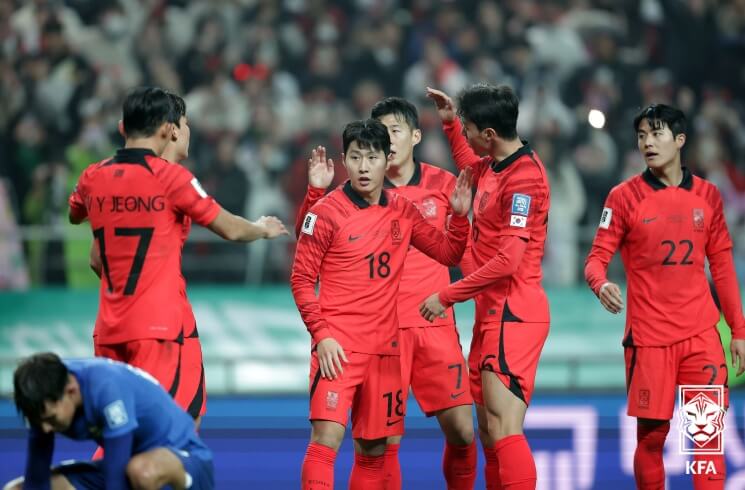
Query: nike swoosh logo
[
  {"x": 389, "y": 423},
  {"x": 455, "y": 396},
  {"x": 648, "y": 220},
  {"x": 354, "y": 237}
]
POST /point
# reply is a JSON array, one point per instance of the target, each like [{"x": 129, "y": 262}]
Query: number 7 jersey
[
  {"x": 139, "y": 206},
  {"x": 665, "y": 235}
]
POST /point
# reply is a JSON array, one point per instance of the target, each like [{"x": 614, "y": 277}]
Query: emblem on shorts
[
  {"x": 701, "y": 409},
  {"x": 643, "y": 398},
  {"x": 332, "y": 400},
  {"x": 698, "y": 219},
  {"x": 396, "y": 232}
]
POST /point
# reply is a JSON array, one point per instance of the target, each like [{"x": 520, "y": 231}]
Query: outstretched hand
[
  {"x": 443, "y": 103},
  {"x": 460, "y": 199},
  {"x": 320, "y": 169},
  {"x": 272, "y": 226}
]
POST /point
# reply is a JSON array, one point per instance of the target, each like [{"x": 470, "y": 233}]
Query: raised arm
[{"x": 320, "y": 176}]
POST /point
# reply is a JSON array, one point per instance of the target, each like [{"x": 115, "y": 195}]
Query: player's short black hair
[
  {"x": 179, "y": 105},
  {"x": 37, "y": 379},
  {"x": 660, "y": 116},
  {"x": 490, "y": 106},
  {"x": 146, "y": 109},
  {"x": 402, "y": 109},
  {"x": 369, "y": 133}
]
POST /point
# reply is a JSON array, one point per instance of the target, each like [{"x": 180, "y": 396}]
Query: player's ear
[
  {"x": 680, "y": 140},
  {"x": 120, "y": 127},
  {"x": 388, "y": 161},
  {"x": 416, "y": 136}
]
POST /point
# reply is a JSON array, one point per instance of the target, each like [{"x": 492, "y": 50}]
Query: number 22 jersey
[{"x": 139, "y": 206}]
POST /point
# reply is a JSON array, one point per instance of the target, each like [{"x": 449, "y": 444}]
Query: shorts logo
[
  {"x": 518, "y": 221},
  {"x": 643, "y": 398},
  {"x": 698, "y": 219},
  {"x": 116, "y": 414},
  {"x": 605, "y": 218},
  {"x": 521, "y": 204},
  {"x": 198, "y": 187},
  {"x": 332, "y": 400},
  {"x": 396, "y": 232},
  {"x": 483, "y": 201},
  {"x": 309, "y": 223},
  {"x": 701, "y": 409}
]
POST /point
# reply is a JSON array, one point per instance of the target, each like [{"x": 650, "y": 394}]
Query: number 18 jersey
[{"x": 138, "y": 205}]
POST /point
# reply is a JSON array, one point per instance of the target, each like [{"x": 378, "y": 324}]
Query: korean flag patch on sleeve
[
  {"x": 309, "y": 222},
  {"x": 116, "y": 414}
]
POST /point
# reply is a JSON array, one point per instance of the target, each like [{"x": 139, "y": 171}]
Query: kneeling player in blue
[{"x": 149, "y": 442}]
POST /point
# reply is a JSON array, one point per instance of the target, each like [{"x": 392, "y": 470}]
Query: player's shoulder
[
  {"x": 332, "y": 207},
  {"x": 429, "y": 169},
  {"x": 633, "y": 188},
  {"x": 705, "y": 189}
]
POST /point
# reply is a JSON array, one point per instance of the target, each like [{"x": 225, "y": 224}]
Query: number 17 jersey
[{"x": 137, "y": 204}]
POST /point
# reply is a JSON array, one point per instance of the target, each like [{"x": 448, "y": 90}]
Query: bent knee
[{"x": 142, "y": 473}]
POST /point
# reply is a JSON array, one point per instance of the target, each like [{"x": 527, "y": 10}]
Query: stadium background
[{"x": 264, "y": 82}]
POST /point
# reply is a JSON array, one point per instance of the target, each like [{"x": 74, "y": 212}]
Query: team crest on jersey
[
  {"x": 521, "y": 204},
  {"x": 428, "y": 208},
  {"x": 698, "y": 219},
  {"x": 309, "y": 223},
  {"x": 396, "y": 232},
  {"x": 484, "y": 200},
  {"x": 332, "y": 400},
  {"x": 605, "y": 218}
]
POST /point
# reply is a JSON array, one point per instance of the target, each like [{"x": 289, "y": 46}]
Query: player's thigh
[
  {"x": 702, "y": 361},
  {"x": 156, "y": 468},
  {"x": 409, "y": 343},
  {"x": 651, "y": 374},
  {"x": 378, "y": 410},
  {"x": 331, "y": 399},
  {"x": 474, "y": 367},
  {"x": 510, "y": 351},
  {"x": 190, "y": 391},
  {"x": 439, "y": 377}
]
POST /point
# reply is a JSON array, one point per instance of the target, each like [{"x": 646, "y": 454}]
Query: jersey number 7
[{"x": 145, "y": 234}]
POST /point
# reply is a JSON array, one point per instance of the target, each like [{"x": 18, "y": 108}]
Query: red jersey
[
  {"x": 140, "y": 207},
  {"x": 429, "y": 189},
  {"x": 512, "y": 200},
  {"x": 665, "y": 235},
  {"x": 358, "y": 250}
]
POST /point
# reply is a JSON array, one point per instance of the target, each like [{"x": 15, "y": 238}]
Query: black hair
[
  {"x": 37, "y": 379},
  {"x": 660, "y": 115},
  {"x": 179, "y": 105},
  {"x": 399, "y": 107},
  {"x": 369, "y": 133},
  {"x": 146, "y": 109},
  {"x": 490, "y": 106}
]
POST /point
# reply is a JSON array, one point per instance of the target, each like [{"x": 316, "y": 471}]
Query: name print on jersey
[{"x": 127, "y": 204}]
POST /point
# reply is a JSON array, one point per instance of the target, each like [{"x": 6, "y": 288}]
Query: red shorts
[
  {"x": 370, "y": 387},
  {"x": 177, "y": 366},
  {"x": 432, "y": 364},
  {"x": 511, "y": 351},
  {"x": 653, "y": 373}
]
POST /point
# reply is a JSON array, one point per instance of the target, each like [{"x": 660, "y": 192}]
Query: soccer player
[
  {"x": 355, "y": 240},
  {"x": 189, "y": 388},
  {"x": 509, "y": 233},
  {"x": 140, "y": 206},
  {"x": 432, "y": 361},
  {"x": 150, "y": 442},
  {"x": 667, "y": 223}
]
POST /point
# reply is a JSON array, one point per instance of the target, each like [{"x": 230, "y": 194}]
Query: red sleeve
[
  {"x": 504, "y": 264},
  {"x": 312, "y": 196},
  {"x": 722, "y": 267},
  {"x": 188, "y": 197},
  {"x": 611, "y": 232},
  {"x": 446, "y": 248},
  {"x": 522, "y": 199},
  {"x": 316, "y": 236},
  {"x": 77, "y": 199},
  {"x": 463, "y": 154}
]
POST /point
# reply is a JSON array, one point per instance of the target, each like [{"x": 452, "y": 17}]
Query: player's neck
[
  {"x": 670, "y": 174},
  {"x": 152, "y": 144},
  {"x": 401, "y": 174},
  {"x": 505, "y": 149}
]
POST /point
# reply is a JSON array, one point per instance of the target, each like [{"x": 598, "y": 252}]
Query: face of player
[
  {"x": 58, "y": 415},
  {"x": 658, "y": 146},
  {"x": 477, "y": 139},
  {"x": 403, "y": 140},
  {"x": 177, "y": 151},
  {"x": 366, "y": 168}
]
